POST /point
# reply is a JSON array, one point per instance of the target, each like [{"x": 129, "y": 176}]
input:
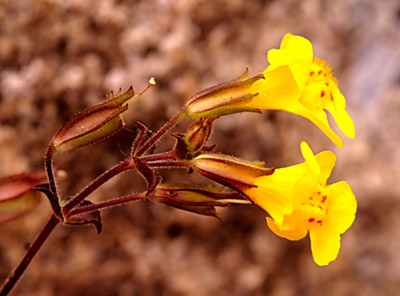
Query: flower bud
[
  {"x": 194, "y": 140},
  {"x": 16, "y": 199},
  {"x": 197, "y": 199},
  {"x": 223, "y": 99},
  {"x": 233, "y": 172},
  {"x": 95, "y": 123}
]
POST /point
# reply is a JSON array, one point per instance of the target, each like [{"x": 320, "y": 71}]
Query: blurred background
[{"x": 59, "y": 57}]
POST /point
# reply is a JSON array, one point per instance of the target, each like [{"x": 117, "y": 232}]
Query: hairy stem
[
  {"x": 33, "y": 249},
  {"x": 162, "y": 156},
  {"x": 96, "y": 183},
  {"x": 107, "y": 204},
  {"x": 165, "y": 164},
  {"x": 160, "y": 133},
  {"x": 53, "y": 198}
]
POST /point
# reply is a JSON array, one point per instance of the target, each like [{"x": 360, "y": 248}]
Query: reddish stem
[
  {"x": 160, "y": 133},
  {"x": 107, "y": 204},
  {"x": 100, "y": 180},
  {"x": 33, "y": 249},
  {"x": 178, "y": 164},
  {"x": 162, "y": 156}
]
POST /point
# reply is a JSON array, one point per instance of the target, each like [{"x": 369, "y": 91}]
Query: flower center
[
  {"x": 314, "y": 208},
  {"x": 318, "y": 91}
]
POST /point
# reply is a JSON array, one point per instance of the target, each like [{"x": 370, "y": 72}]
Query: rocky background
[{"x": 58, "y": 57}]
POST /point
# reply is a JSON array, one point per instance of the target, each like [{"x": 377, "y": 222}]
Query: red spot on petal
[
  {"x": 324, "y": 198},
  {"x": 331, "y": 97},
  {"x": 311, "y": 220},
  {"x": 319, "y": 192},
  {"x": 324, "y": 74},
  {"x": 320, "y": 207},
  {"x": 319, "y": 221},
  {"x": 319, "y": 72},
  {"x": 311, "y": 73},
  {"x": 326, "y": 83},
  {"x": 322, "y": 94},
  {"x": 310, "y": 198}
]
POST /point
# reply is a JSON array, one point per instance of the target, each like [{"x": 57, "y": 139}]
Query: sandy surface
[{"x": 59, "y": 57}]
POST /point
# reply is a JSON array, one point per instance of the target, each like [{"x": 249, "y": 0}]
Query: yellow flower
[
  {"x": 299, "y": 201},
  {"x": 298, "y": 83}
]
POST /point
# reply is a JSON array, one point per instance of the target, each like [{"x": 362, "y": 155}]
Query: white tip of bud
[{"x": 152, "y": 81}]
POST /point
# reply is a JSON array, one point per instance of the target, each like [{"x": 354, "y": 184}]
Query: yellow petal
[
  {"x": 326, "y": 161},
  {"x": 297, "y": 53},
  {"x": 277, "y": 91},
  {"x": 309, "y": 157},
  {"x": 325, "y": 245},
  {"x": 296, "y": 233},
  {"x": 274, "y": 201},
  {"x": 342, "y": 118},
  {"x": 319, "y": 121},
  {"x": 342, "y": 206}
]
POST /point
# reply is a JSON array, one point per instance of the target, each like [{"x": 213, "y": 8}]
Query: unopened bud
[
  {"x": 233, "y": 172},
  {"x": 95, "y": 123},
  {"x": 191, "y": 143},
  {"x": 197, "y": 199},
  {"x": 222, "y": 99}
]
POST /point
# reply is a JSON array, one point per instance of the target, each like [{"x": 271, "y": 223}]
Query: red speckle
[
  {"x": 311, "y": 220},
  {"x": 324, "y": 74},
  {"x": 331, "y": 97},
  {"x": 319, "y": 221},
  {"x": 322, "y": 93},
  {"x": 319, "y": 72},
  {"x": 320, "y": 207},
  {"x": 311, "y": 73},
  {"x": 324, "y": 198},
  {"x": 326, "y": 83},
  {"x": 310, "y": 198},
  {"x": 319, "y": 192}
]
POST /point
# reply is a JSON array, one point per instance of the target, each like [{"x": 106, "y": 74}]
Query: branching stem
[
  {"x": 161, "y": 132},
  {"x": 107, "y": 204},
  {"x": 96, "y": 183}
]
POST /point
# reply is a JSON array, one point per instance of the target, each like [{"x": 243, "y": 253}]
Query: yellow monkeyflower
[
  {"x": 299, "y": 201},
  {"x": 298, "y": 83}
]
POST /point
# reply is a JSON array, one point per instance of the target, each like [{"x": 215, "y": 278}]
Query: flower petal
[
  {"x": 297, "y": 53},
  {"x": 320, "y": 120},
  {"x": 294, "y": 233},
  {"x": 326, "y": 161},
  {"x": 277, "y": 91},
  {"x": 280, "y": 91},
  {"x": 309, "y": 157},
  {"x": 342, "y": 206},
  {"x": 325, "y": 244},
  {"x": 342, "y": 118}
]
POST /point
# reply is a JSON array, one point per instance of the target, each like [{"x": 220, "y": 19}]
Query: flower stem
[
  {"x": 162, "y": 156},
  {"x": 100, "y": 180},
  {"x": 107, "y": 204},
  {"x": 53, "y": 198},
  {"x": 33, "y": 249},
  {"x": 178, "y": 164},
  {"x": 161, "y": 132}
]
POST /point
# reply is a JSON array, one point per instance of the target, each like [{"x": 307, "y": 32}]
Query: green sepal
[
  {"x": 223, "y": 99},
  {"x": 233, "y": 172},
  {"x": 197, "y": 199},
  {"x": 93, "y": 124}
]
